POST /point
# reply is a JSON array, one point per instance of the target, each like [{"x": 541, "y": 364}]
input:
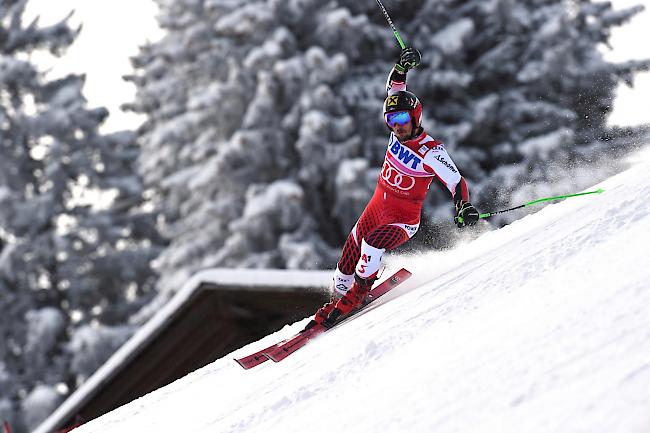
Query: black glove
[
  {"x": 409, "y": 59},
  {"x": 466, "y": 214}
]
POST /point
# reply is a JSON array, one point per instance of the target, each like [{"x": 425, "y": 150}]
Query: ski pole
[
  {"x": 392, "y": 26},
  {"x": 539, "y": 200}
]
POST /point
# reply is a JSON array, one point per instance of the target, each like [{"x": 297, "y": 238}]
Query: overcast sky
[
  {"x": 112, "y": 32},
  {"x": 114, "y": 29}
]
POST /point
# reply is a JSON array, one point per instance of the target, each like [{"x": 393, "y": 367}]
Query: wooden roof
[{"x": 216, "y": 312}]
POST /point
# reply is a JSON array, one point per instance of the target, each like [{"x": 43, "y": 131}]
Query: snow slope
[{"x": 542, "y": 326}]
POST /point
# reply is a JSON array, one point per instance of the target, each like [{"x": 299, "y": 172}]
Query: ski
[
  {"x": 255, "y": 359},
  {"x": 287, "y": 347},
  {"x": 281, "y": 350}
]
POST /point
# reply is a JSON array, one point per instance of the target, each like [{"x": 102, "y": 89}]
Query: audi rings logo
[{"x": 394, "y": 178}]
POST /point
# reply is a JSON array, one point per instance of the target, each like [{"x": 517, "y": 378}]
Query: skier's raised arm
[{"x": 409, "y": 59}]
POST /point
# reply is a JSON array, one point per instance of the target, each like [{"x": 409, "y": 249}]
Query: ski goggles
[{"x": 397, "y": 118}]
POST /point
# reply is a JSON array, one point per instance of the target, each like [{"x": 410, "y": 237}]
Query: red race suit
[{"x": 393, "y": 214}]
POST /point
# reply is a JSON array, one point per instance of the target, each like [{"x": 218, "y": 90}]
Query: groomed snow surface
[{"x": 541, "y": 326}]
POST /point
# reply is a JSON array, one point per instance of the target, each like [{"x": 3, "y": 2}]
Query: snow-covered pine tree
[
  {"x": 522, "y": 92},
  {"x": 265, "y": 136},
  {"x": 72, "y": 270}
]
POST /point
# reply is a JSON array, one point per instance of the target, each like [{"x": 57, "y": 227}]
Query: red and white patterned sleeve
[
  {"x": 396, "y": 81},
  {"x": 438, "y": 162}
]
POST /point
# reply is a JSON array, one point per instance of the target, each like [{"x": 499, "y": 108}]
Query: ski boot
[
  {"x": 324, "y": 311},
  {"x": 352, "y": 300},
  {"x": 341, "y": 284}
]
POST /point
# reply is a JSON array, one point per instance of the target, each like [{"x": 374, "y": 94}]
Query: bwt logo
[{"x": 405, "y": 155}]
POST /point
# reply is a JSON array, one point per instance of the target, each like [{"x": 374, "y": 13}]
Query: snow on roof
[{"x": 223, "y": 279}]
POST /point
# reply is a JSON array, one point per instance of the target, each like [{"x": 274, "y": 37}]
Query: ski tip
[
  {"x": 251, "y": 361},
  {"x": 241, "y": 363}
]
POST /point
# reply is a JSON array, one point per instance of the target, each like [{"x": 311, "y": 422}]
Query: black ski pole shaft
[{"x": 392, "y": 26}]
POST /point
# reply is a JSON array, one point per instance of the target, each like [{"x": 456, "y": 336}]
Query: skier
[{"x": 413, "y": 159}]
